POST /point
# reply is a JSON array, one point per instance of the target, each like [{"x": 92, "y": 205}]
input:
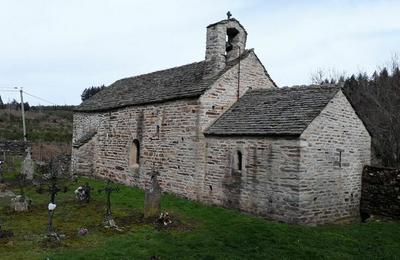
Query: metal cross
[
  {"x": 108, "y": 190},
  {"x": 52, "y": 189},
  {"x": 229, "y": 14}
]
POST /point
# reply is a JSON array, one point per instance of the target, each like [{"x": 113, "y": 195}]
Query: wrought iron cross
[
  {"x": 229, "y": 14},
  {"x": 108, "y": 190},
  {"x": 52, "y": 189}
]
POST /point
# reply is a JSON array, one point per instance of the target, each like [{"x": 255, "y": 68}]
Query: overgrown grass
[
  {"x": 45, "y": 126},
  {"x": 202, "y": 232}
]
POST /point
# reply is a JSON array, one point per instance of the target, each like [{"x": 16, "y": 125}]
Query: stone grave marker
[
  {"x": 152, "y": 199},
  {"x": 20, "y": 203},
  {"x": 28, "y": 166}
]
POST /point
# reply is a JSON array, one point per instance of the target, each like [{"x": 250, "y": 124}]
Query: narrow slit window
[
  {"x": 239, "y": 160},
  {"x": 158, "y": 130}
]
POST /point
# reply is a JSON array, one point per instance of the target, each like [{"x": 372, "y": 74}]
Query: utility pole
[{"x": 23, "y": 113}]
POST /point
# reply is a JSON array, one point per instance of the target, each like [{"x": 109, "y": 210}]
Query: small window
[
  {"x": 338, "y": 161},
  {"x": 158, "y": 131},
  {"x": 239, "y": 160},
  {"x": 134, "y": 153}
]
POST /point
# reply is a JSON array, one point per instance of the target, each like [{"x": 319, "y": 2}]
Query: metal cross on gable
[
  {"x": 229, "y": 14},
  {"x": 108, "y": 190}
]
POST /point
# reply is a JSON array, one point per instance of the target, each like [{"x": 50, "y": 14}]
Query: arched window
[
  {"x": 239, "y": 158},
  {"x": 134, "y": 153}
]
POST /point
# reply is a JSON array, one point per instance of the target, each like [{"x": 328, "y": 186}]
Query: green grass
[{"x": 200, "y": 232}]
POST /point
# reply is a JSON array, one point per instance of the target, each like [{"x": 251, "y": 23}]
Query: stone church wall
[
  {"x": 168, "y": 135},
  {"x": 178, "y": 151},
  {"x": 334, "y": 149},
  {"x": 267, "y": 183},
  {"x": 223, "y": 94}
]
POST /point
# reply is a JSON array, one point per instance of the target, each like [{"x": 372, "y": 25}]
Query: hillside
[{"x": 42, "y": 124}]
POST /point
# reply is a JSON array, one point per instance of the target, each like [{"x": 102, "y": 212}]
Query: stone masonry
[
  {"x": 178, "y": 149},
  {"x": 282, "y": 162},
  {"x": 334, "y": 149}
]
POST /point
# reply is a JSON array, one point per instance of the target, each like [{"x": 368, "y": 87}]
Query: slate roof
[
  {"x": 284, "y": 111},
  {"x": 186, "y": 81}
]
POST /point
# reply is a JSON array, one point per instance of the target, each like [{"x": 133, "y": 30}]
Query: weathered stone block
[
  {"x": 20, "y": 203},
  {"x": 152, "y": 200}
]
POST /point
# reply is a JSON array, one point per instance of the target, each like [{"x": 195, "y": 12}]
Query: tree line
[
  {"x": 89, "y": 92},
  {"x": 14, "y": 105}
]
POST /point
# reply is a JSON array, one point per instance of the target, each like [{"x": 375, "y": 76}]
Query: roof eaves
[
  {"x": 294, "y": 135},
  {"x": 105, "y": 109}
]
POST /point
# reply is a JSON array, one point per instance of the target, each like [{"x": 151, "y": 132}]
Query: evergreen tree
[{"x": 89, "y": 92}]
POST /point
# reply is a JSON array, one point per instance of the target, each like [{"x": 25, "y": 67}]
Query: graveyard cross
[
  {"x": 53, "y": 179},
  {"x": 108, "y": 190},
  {"x": 53, "y": 190}
]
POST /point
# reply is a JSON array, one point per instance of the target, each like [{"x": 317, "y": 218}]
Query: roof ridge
[
  {"x": 297, "y": 87},
  {"x": 158, "y": 71},
  {"x": 241, "y": 56},
  {"x": 184, "y": 81},
  {"x": 267, "y": 112}
]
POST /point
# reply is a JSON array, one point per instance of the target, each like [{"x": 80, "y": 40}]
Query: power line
[
  {"x": 8, "y": 90},
  {"x": 14, "y": 89},
  {"x": 45, "y": 100}
]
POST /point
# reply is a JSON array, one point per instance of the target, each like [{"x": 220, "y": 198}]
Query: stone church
[{"x": 220, "y": 131}]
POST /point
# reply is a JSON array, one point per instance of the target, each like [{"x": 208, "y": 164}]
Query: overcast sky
[{"x": 54, "y": 49}]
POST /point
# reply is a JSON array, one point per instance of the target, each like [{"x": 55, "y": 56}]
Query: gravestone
[
  {"x": 152, "y": 199},
  {"x": 20, "y": 203},
  {"x": 28, "y": 166}
]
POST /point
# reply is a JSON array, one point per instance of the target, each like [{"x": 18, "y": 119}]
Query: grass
[
  {"x": 200, "y": 232},
  {"x": 44, "y": 126}
]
